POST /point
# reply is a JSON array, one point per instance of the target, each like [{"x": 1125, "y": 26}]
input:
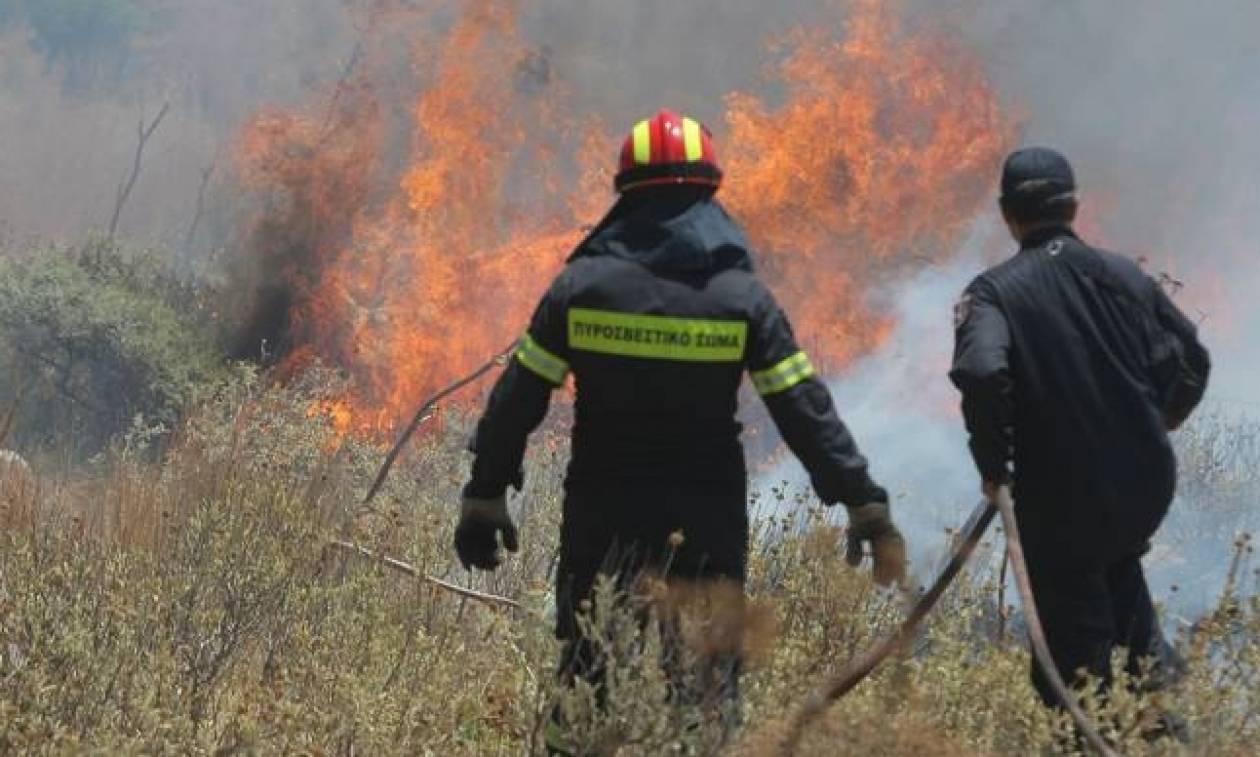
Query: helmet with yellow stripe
[{"x": 668, "y": 149}]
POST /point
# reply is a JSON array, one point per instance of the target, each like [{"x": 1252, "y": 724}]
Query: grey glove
[
  {"x": 873, "y": 523},
  {"x": 481, "y": 521}
]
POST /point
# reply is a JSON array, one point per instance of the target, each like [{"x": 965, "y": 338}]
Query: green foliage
[
  {"x": 92, "y": 339},
  {"x": 192, "y": 605}
]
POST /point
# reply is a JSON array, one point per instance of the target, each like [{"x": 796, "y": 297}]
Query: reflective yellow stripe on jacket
[
  {"x": 534, "y": 357},
  {"x": 783, "y": 376},
  {"x": 657, "y": 337}
]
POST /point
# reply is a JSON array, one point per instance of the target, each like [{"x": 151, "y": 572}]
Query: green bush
[{"x": 93, "y": 340}]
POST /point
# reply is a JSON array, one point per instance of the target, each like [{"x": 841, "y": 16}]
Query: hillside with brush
[{"x": 241, "y": 243}]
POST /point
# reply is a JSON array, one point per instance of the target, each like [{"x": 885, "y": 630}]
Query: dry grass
[{"x": 190, "y": 606}]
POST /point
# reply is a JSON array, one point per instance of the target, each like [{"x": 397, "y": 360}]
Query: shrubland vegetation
[
  {"x": 94, "y": 339},
  {"x": 168, "y": 587},
  {"x": 176, "y": 592}
]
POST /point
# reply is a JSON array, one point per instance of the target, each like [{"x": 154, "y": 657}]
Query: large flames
[{"x": 880, "y": 152}]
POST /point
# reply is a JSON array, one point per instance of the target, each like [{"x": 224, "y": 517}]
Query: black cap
[{"x": 1036, "y": 174}]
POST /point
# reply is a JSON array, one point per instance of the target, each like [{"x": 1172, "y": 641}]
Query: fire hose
[
  {"x": 859, "y": 667},
  {"x": 1037, "y": 632}
]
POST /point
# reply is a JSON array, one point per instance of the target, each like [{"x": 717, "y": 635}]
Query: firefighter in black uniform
[
  {"x": 658, "y": 315},
  {"x": 1073, "y": 366}
]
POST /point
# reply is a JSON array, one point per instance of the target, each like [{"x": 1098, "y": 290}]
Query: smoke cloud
[
  {"x": 1155, "y": 101},
  {"x": 1156, "y": 105},
  {"x": 903, "y": 410},
  {"x": 72, "y": 94}
]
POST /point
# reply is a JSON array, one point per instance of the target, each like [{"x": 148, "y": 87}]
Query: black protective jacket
[
  {"x": 1073, "y": 364},
  {"x": 658, "y": 315}
]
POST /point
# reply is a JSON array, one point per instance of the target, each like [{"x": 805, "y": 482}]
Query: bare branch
[
  {"x": 143, "y": 135},
  {"x": 1001, "y": 597},
  {"x": 425, "y": 411},
  {"x": 411, "y": 570},
  {"x": 200, "y": 208},
  {"x": 859, "y": 667},
  {"x": 343, "y": 83}
]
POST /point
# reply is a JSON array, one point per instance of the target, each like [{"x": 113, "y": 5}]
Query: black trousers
[
  {"x": 691, "y": 533},
  {"x": 1089, "y": 609}
]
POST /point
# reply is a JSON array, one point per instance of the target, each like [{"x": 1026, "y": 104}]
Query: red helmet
[{"x": 668, "y": 149}]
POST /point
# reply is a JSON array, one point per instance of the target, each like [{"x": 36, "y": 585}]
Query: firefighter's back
[
  {"x": 657, "y": 315},
  {"x": 1090, "y": 442},
  {"x": 657, "y": 335}
]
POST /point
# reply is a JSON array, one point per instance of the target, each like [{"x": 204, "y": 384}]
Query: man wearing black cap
[{"x": 1073, "y": 366}]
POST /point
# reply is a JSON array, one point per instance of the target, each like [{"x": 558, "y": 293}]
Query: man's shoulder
[
  {"x": 1011, "y": 266},
  {"x": 990, "y": 281},
  {"x": 1067, "y": 247},
  {"x": 1126, "y": 265},
  {"x": 1118, "y": 268}
]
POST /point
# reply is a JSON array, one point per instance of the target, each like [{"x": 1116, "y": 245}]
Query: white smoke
[
  {"x": 903, "y": 410},
  {"x": 1159, "y": 123}
]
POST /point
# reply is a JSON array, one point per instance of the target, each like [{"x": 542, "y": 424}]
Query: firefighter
[
  {"x": 1074, "y": 366},
  {"x": 657, "y": 315}
]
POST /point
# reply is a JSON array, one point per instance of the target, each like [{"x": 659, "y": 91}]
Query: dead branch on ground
[{"x": 411, "y": 570}]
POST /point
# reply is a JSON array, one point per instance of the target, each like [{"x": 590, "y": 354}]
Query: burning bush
[{"x": 408, "y": 235}]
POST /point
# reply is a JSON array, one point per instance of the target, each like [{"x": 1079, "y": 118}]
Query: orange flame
[
  {"x": 885, "y": 146},
  {"x": 880, "y": 157}
]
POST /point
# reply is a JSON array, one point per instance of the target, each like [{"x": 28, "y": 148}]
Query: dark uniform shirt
[
  {"x": 1073, "y": 364},
  {"x": 658, "y": 315}
]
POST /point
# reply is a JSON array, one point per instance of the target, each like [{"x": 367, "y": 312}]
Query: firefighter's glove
[
  {"x": 872, "y": 523},
  {"x": 481, "y": 523}
]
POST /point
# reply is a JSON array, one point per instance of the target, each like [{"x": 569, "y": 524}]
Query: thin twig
[
  {"x": 343, "y": 83},
  {"x": 424, "y": 413},
  {"x": 144, "y": 133},
  {"x": 411, "y": 570},
  {"x": 199, "y": 209}
]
